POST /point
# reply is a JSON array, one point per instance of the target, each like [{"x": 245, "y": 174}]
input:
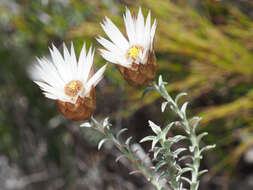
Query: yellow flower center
[
  {"x": 73, "y": 87},
  {"x": 133, "y": 52}
]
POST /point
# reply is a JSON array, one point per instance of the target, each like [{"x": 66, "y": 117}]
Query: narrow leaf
[
  {"x": 176, "y": 138},
  {"x": 157, "y": 150},
  {"x": 148, "y": 138},
  {"x": 106, "y": 122},
  {"x": 128, "y": 140},
  {"x": 202, "y": 172},
  {"x": 196, "y": 123},
  {"x": 135, "y": 172},
  {"x": 155, "y": 128},
  {"x": 163, "y": 106},
  {"x": 179, "y": 96},
  {"x": 200, "y": 136},
  {"x": 185, "y": 157},
  {"x": 159, "y": 165},
  {"x": 207, "y": 148},
  {"x": 166, "y": 130},
  {"x": 120, "y": 132},
  {"x": 186, "y": 179},
  {"x": 119, "y": 157},
  {"x": 178, "y": 151},
  {"x": 86, "y": 124},
  {"x": 100, "y": 144},
  {"x": 183, "y": 108},
  {"x": 155, "y": 141},
  {"x": 160, "y": 80}
]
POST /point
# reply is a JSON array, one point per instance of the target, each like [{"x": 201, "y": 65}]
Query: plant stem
[
  {"x": 191, "y": 136},
  {"x": 126, "y": 151}
]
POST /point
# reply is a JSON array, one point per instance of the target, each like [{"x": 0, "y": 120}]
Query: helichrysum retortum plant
[{"x": 71, "y": 83}]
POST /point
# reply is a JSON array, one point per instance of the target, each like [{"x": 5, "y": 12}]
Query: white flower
[
  {"x": 136, "y": 49},
  {"x": 64, "y": 78}
]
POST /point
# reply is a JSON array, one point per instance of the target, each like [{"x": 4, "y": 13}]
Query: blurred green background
[{"x": 203, "y": 47}]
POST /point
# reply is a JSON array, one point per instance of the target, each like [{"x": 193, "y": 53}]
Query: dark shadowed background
[{"x": 203, "y": 47}]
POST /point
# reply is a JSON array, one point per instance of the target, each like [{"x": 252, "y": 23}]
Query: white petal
[
  {"x": 81, "y": 61},
  {"x": 114, "y": 58},
  {"x": 109, "y": 45},
  {"x": 88, "y": 64},
  {"x": 94, "y": 80},
  {"x": 67, "y": 59},
  {"x": 147, "y": 31},
  {"x": 114, "y": 34},
  {"x": 45, "y": 70},
  {"x": 130, "y": 27},
  {"x": 47, "y": 88},
  {"x": 152, "y": 33},
  {"x": 139, "y": 27},
  {"x": 73, "y": 62}
]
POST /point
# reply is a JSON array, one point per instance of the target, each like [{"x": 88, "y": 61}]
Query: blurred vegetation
[{"x": 204, "y": 48}]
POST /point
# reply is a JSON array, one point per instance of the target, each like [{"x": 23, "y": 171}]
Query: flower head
[
  {"x": 69, "y": 81},
  {"x": 134, "y": 53}
]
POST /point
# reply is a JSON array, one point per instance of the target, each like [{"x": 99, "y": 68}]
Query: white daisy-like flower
[
  {"x": 134, "y": 49},
  {"x": 64, "y": 78}
]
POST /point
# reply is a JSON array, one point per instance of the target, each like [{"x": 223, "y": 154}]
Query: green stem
[
  {"x": 191, "y": 135},
  {"x": 129, "y": 154}
]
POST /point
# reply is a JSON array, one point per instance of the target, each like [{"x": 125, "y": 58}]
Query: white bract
[
  {"x": 64, "y": 78},
  {"x": 136, "y": 49}
]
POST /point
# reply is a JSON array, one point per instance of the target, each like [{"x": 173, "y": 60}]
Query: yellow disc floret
[
  {"x": 133, "y": 52},
  {"x": 73, "y": 87}
]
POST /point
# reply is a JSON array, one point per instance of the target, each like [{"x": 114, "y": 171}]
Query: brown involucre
[
  {"x": 81, "y": 110},
  {"x": 140, "y": 74}
]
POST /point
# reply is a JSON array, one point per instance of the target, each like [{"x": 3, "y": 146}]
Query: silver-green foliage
[
  {"x": 167, "y": 166},
  {"x": 168, "y": 159}
]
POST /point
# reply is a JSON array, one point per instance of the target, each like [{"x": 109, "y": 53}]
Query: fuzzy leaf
[
  {"x": 166, "y": 130},
  {"x": 119, "y": 157},
  {"x": 100, "y": 144},
  {"x": 148, "y": 138},
  {"x": 135, "y": 172},
  {"x": 197, "y": 120},
  {"x": 208, "y": 147},
  {"x": 200, "y": 136},
  {"x": 106, "y": 122},
  {"x": 178, "y": 151},
  {"x": 163, "y": 106},
  {"x": 157, "y": 150},
  {"x": 183, "y": 108},
  {"x": 176, "y": 138},
  {"x": 202, "y": 172},
  {"x": 179, "y": 96},
  {"x": 86, "y": 124},
  {"x": 128, "y": 141},
  {"x": 159, "y": 165},
  {"x": 164, "y": 174},
  {"x": 186, "y": 179},
  {"x": 154, "y": 142},
  {"x": 185, "y": 157},
  {"x": 190, "y": 166},
  {"x": 184, "y": 170},
  {"x": 160, "y": 80},
  {"x": 155, "y": 128},
  {"x": 120, "y": 132}
]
